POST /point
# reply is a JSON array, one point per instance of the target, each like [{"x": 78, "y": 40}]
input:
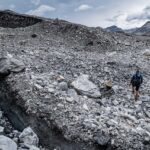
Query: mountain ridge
[{"x": 143, "y": 30}]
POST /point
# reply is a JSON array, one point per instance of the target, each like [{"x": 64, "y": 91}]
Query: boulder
[
  {"x": 72, "y": 93},
  {"x": 102, "y": 138},
  {"x": 28, "y": 137},
  {"x": 16, "y": 65},
  {"x": 8, "y": 65},
  {"x": 7, "y": 144},
  {"x": 84, "y": 86},
  {"x": 146, "y": 53},
  {"x": 63, "y": 86},
  {"x": 108, "y": 84}
]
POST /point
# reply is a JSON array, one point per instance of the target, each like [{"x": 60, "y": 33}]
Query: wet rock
[
  {"x": 7, "y": 144},
  {"x": 84, "y": 86},
  {"x": 28, "y": 137}
]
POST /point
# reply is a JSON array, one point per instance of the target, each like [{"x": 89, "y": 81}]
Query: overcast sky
[{"x": 123, "y": 13}]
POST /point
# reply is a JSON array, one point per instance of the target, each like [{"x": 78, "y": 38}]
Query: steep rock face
[{"x": 9, "y": 19}]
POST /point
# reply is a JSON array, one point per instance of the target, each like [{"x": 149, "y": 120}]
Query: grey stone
[
  {"x": 102, "y": 138},
  {"x": 69, "y": 99},
  {"x": 8, "y": 65},
  {"x": 28, "y": 137},
  {"x": 16, "y": 65},
  {"x": 72, "y": 93},
  {"x": 1, "y": 129},
  {"x": 63, "y": 86},
  {"x": 83, "y": 85},
  {"x": 7, "y": 144}
]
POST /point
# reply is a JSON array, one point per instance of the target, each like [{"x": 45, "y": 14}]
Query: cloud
[
  {"x": 42, "y": 10},
  {"x": 143, "y": 15},
  {"x": 35, "y": 2},
  {"x": 120, "y": 20},
  {"x": 128, "y": 19},
  {"x": 83, "y": 7}
]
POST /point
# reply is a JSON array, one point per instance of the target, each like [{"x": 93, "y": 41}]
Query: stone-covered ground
[{"x": 56, "y": 54}]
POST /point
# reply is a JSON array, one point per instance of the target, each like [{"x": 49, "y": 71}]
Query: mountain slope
[
  {"x": 144, "y": 30},
  {"x": 10, "y": 19},
  {"x": 68, "y": 116}
]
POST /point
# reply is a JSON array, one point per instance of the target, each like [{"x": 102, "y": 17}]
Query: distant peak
[
  {"x": 7, "y": 11},
  {"x": 146, "y": 24},
  {"x": 113, "y": 28}
]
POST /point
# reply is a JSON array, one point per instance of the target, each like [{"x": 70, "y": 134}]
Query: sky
[{"x": 122, "y": 13}]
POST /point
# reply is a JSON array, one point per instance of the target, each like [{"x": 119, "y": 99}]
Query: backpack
[{"x": 137, "y": 79}]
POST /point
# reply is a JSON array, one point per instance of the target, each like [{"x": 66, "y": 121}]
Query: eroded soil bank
[{"x": 50, "y": 136}]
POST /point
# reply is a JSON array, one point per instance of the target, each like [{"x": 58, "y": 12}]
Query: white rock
[
  {"x": 85, "y": 107},
  {"x": 51, "y": 90},
  {"x": 115, "y": 102},
  {"x": 146, "y": 52},
  {"x": 7, "y": 144},
  {"x": 86, "y": 87},
  {"x": 1, "y": 129},
  {"x": 60, "y": 105},
  {"x": 34, "y": 148},
  {"x": 28, "y": 137},
  {"x": 69, "y": 99}
]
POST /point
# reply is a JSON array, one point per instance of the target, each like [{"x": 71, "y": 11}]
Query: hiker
[{"x": 136, "y": 81}]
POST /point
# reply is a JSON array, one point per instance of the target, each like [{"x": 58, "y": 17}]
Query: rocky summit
[{"x": 65, "y": 86}]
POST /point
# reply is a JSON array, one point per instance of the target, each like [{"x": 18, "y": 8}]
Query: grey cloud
[
  {"x": 42, "y": 10},
  {"x": 114, "y": 18},
  {"x": 144, "y": 15},
  {"x": 83, "y": 7}
]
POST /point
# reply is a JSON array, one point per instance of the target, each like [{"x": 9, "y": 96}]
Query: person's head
[{"x": 137, "y": 71}]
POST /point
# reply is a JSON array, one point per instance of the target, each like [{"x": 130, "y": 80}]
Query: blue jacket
[{"x": 137, "y": 77}]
